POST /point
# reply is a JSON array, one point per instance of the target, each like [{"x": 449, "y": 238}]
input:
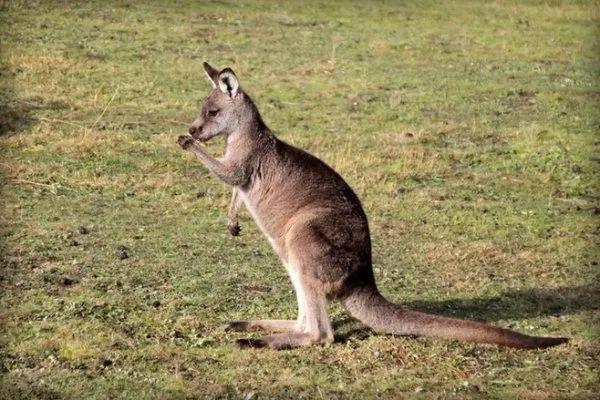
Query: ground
[{"x": 468, "y": 129}]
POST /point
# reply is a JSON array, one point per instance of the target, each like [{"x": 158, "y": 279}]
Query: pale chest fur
[{"x": 249, "y": 201}]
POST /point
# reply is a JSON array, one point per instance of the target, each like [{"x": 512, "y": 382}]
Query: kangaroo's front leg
[
  {"x": 232, "y": 214},
  {"x": 233, "y": 175}
]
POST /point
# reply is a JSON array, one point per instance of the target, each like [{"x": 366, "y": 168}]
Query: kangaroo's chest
[{"x": 263, "y": 221}]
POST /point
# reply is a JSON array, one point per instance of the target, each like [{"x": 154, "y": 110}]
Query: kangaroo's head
[{"x": 222, "y": 111}]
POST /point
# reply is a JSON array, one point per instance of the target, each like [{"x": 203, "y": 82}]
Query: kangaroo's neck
[{"x": 250, "y": 136}]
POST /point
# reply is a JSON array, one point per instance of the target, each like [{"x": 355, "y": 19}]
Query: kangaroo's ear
[
  {"x": 213, "y": 74},
  {"x": 228, "y": 82}
]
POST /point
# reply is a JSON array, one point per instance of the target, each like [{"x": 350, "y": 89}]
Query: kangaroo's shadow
[{"x": 511, "y": 305}]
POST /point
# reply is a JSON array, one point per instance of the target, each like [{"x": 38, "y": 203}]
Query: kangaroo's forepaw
[
  {"x": 234, "y": 229},
  {"x": 185, "y": 141}
]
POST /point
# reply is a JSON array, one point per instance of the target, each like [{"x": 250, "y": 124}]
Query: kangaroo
[{"x": 316, "y": 225}]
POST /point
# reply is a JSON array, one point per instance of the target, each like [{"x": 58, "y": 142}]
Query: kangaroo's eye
[{"x": 212, "y": 113}]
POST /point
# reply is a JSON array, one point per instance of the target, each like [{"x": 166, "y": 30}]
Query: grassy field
[{"x": 469, "y": 130}]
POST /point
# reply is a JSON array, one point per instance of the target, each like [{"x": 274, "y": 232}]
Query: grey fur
[{"x": 316, "y": 225}]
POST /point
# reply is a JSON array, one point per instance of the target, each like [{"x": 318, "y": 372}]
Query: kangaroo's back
[{"x": 287, "y": 180}]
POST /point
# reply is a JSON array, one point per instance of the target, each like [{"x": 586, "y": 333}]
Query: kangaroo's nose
[{"x": 192, "y": 130}]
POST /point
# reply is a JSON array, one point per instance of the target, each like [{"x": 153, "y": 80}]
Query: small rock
[
  {"x": 524, "y": 93},
  {"x": 66, "y": 281},
  {"x": 122, "y": 252},
  {"x": 177, "y": 334},
  {"x": 83, "y": 230},
  {"x": 466, "y": 385},
  {"x": 105, "y": 362},
  {"x": 418, "y": 389}
]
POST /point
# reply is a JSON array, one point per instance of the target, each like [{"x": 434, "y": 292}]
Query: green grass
[{"x": 469, "y": 130}]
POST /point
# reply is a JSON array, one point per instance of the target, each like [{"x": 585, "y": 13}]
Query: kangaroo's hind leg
[
  {"x": 316, "y": 329},
  {"x": 313, "y": 324},
  {"x": 269, "y": 325},
  {"x": 315, "y": 254},
  {"x": 276, "y": 325}
]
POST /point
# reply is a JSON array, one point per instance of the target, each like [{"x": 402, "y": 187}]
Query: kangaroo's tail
[{"x": 369, "y": 306}]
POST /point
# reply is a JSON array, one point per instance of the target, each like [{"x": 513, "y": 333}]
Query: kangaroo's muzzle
[{"x": 195, "y": 132}]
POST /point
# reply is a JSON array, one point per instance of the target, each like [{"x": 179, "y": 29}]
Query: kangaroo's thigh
[{"x": 324, "y": 252}]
